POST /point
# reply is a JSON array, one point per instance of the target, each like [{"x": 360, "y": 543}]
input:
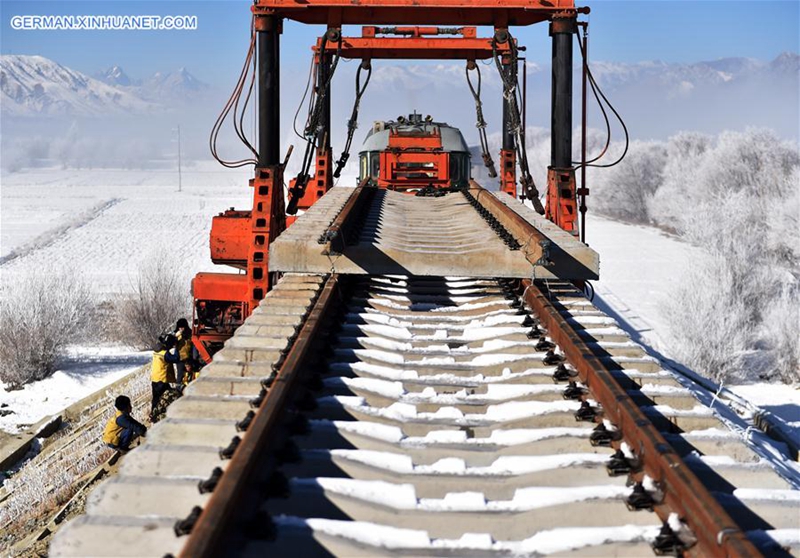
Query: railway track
[{"x": 388, "y": 415}]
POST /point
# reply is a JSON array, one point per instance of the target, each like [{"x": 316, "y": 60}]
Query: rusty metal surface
[
  {"x": 535, "y": 245},
  {"x": 208, "y": 533},
  {"x": 717, "y": 533}
]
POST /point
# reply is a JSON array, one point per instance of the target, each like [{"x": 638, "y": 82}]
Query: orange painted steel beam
[
  {"x": 321, "y": 181},
  {"x": 417, "y": 43},
  {"x": 418, "y": 48},
  {"x": 268, "y": 220},
  {"x": 498, "y": 13},
  {"x": 508, "y": 172}
]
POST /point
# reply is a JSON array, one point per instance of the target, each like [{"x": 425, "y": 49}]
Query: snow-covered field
[
  {"x": 86, "y": 370},
  {"x": 105, "y": 223},
  {"x": 638, "y": 265}
]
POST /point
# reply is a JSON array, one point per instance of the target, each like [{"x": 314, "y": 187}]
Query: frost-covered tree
[
  {"x": 159, "y": 297},
  {"x": 685, "y": 151},
  {"x": 736, "y": 196},
  {"x": 709, "y": 323},
  {"x": 624, "y": 191},
  {"x": 39, "y": 315},
  {"x": 782, "y": 334}
]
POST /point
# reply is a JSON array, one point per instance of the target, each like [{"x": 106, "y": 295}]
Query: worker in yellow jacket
[
  {"x": 183, "y": 336},
  {"x": 162, "y": 371},
  {"x": 122, "y": 428}
]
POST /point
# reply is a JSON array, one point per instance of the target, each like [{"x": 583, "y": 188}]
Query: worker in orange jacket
[
  {"x": 162, "y": 371},
  {"x": 122, "y": 428}
]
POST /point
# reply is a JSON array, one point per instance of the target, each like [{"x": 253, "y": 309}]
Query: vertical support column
[
  {"x": 323, "y": 75},
  {"x": 268, "y": 216},
  {"x": 269, "y": 110},
  {"x": 561, "y": 203},
  {"x": 561, "y": 30}
]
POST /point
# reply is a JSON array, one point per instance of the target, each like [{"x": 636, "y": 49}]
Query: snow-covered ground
[
  {"x": 104, "y": 223},
  {"x": 86, "y": 370},
  {"x": 638, "y": 264}
]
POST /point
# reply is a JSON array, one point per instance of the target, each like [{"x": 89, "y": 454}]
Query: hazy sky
[{"x": 621, "y": 31}]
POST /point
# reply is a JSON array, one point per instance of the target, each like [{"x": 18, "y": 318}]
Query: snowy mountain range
[
  {"x": 657, "y": 98},
  {"x": 34, "y": 85},
  {"x": 610, "y": 75},
  {"x": 170, "y": 85},
  {"x": 681, "y": 77}
]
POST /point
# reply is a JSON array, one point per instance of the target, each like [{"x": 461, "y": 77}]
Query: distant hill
[
  {"x": 656, "y": 98},
  {"x": 114, "y": 76},
  {"x": 34, "y": 85}
]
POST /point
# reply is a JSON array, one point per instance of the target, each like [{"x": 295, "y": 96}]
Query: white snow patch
[
  {"x": 520, "y": 436},
  {"x": 773, "y": 495},
  {"x": 439, "y": 437},
  {"x": 398, "y": 496},
  {"x": 544, "y": 542},
  {"x": 87, "y": 370},
  {"x": 376, "y": 430},
  {"x": 568, "y": 539}
]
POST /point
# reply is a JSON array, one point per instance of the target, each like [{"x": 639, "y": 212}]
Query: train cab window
[
  {"x": 375, "y": 164},
  {"x": 369, "y": 165},
  {"x": 363, "y": 167},
  {"x": 459, "y": 169}
]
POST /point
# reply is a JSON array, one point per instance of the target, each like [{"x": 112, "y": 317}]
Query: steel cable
[
  {"x": 233, "y": 104},
  {"x": 598, "y": 94},
  {"x": 352, "y": 124},
  {"x": 510, "y": 81},
  {"x": 481, "y": 121}
]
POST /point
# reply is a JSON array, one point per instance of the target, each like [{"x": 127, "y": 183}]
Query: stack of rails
[{"x": 395, "y": 415}]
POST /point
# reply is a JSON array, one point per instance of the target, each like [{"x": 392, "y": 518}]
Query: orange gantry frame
[
  {"x": 335, "y": 13},
  {"x": 241, "y": 238}
]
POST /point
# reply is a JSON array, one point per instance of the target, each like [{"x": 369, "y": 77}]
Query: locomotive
[{"x": 412, "y": 153}]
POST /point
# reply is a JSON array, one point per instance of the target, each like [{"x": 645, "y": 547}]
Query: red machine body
[{"x": 413, "y": 153}]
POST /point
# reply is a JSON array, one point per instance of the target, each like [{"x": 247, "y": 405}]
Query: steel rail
[
  {"x": 535, "y": 245},
  {"x": 716, "y": 532},
  {"x": 335, "y": 237},
  {"x": 208, "y": 534}
]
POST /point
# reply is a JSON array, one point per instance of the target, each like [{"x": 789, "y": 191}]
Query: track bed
[{"x": 420, "y": 416}]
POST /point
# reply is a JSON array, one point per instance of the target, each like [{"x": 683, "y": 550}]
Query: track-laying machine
[{"x": 411, "y": 154}]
